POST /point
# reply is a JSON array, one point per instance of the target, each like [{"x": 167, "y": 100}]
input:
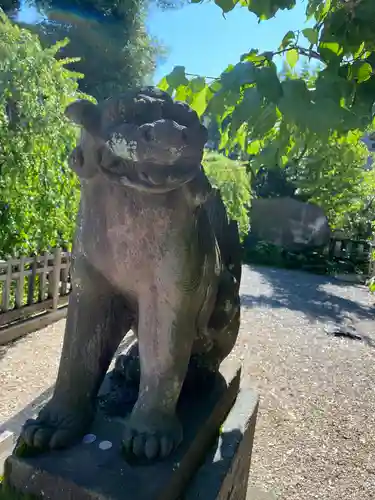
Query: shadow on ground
[{"x": 318, "y": 298}]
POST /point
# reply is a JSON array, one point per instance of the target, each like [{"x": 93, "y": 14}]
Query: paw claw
[
  {"x": 166, "y": 446},
  {"x": 29, "y": 430},
  {"x": 138, "y": 445},
  {"x": 148, "y": 438},
  {"x": 42, "y": 437},
  {"x": 128, "y": 438},
  {"x": 53, "y": 428},
  {"x": 151, "y": 448},
  {"x": 60, "y": 439}
]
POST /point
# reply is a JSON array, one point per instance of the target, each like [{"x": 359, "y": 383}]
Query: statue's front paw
[
  {"x": 55, "y": 427},
  {"x": 151, "y": 436}
]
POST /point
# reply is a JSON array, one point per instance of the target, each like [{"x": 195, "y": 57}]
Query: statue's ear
[{"x": 86, "y": 114}]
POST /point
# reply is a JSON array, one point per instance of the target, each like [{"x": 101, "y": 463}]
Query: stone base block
[{"x": 213, "y": 461}]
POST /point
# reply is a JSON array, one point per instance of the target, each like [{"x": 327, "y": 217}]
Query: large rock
[{"x": 289, "y": 223}]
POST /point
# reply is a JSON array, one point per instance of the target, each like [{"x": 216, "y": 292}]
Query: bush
[
  {"x": 38, "y": 192},
  {"x": 231, "y": 178}
]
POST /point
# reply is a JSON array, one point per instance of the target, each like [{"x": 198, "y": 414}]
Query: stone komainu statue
[{"x": 153, "y": 252}]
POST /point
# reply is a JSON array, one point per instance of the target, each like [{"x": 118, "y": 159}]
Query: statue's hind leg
[
  {"x": 96, "y": 323},
  {"x": 215, "y": 339}
]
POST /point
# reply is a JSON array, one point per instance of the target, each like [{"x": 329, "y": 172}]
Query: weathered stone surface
[
  {"x": 85, "y": 472},
  {"x": 155, "y": 253},
  {"x": 6, "y": 445},
  {"x": 225, "y": 475}
]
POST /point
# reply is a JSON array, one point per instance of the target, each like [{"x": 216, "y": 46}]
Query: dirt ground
[{"x": 315, "y": 434}]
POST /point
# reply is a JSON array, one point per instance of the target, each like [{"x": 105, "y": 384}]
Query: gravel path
[{"x": 315, "y": 435}]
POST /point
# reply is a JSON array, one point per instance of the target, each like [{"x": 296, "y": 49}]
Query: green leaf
[
  {"x": 226, "y": 5},
  {"x": 247, "y": 110},
  {"x": 364, "y": 72},
  {"x": 163, "y": 84},
  {"x": 330, "y": 50},
  {"x": 217, "y": 103},
  {"x": 241, "y": 74},
  {"x": 253, "y": 56},
  {"x": 311, "y": 34},
  {"x": 292, "y": 57},
  {"x": 177, "y": 77},
  {"x": 268, "y": 83},
  {"x": 199, "y": 101},
  {"x": 295, "y": 101},
  {"x": 312, "y": 7},
  {"x": 241, "y": 137},
  {"x": 265, "y": 121},
  {"x": 332, "y": 112},
  {"x": 224, "y": 139},
  {"x": 323, "y": 10},
  {"x": 288, "y": 38},
  {"x": 182, "y": 93},
  {"x": 254, "y": 148},
  {"x": 265, "y": 9},
  {"x": 359, "y": 50},
  {"x": 197, "y": 84}
]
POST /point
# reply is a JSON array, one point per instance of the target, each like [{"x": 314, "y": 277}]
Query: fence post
[
  {"x": 20, "y": 283},
  {"x": 30, "y": 294},
  {"x": 54, "y": 278},
  {"x": 7, "y": 287},
  {"x": 43, "y": 278}
]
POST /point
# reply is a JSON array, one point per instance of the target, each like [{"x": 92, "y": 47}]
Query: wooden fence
[
  {"x": 354, "y": 252},
  {"x": 30, "y": 289}
]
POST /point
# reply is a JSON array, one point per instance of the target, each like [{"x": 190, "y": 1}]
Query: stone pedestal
[{"x": 212, "y": 463}]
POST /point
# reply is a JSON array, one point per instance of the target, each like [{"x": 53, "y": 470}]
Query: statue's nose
[{"x": 164, "y": 132}]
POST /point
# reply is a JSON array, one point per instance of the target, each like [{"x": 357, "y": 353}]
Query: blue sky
[
  {"x": 201, "y": 39},
  {"x": 198, "y": 37}
]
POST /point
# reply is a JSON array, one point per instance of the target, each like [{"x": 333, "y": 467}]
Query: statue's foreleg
[
  {"x": 96, "y": 323},
  {"x": 166, "y": 332}
]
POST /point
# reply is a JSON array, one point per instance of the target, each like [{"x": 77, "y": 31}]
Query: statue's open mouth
[
  {"x": 145, "y": 167},
  {"x": 131, "y": 174}
]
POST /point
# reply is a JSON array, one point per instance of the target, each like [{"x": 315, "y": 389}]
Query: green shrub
[
  {"x": 232, "y": 179},
  {"x": 38, "y": 192}
]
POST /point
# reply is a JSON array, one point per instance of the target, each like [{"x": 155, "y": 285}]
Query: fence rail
[
  {"x": 350, "y": 249},
  {"x": 31, "y": 285}
]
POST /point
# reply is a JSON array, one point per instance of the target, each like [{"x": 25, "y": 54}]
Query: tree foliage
[
  {"x": 231, "y": 178},
  {"x": 115, "y": 51},
  {"x": 273, "y": 118},
  {"x": 299, "y": 128},
  {"x": 334, "y": 177},
  {"x": 38, "y": 192}
]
